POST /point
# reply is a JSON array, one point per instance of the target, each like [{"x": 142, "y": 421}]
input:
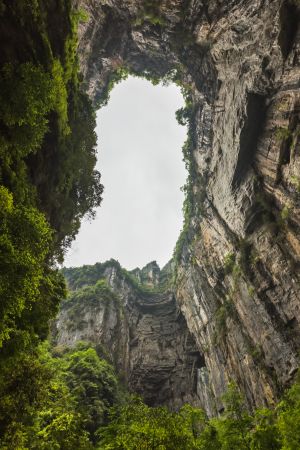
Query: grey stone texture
[{"x": 237, "y": 284}]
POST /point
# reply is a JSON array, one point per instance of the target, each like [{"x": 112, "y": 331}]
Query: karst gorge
[{"x": 204, "y": 352}]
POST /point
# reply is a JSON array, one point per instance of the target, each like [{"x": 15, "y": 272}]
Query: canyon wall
[
  {"x": 236, "y": 266},
  {"x": 139, "y": 328}
]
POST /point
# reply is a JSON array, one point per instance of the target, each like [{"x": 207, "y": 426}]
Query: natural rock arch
[{"x": 237, "y": 268}]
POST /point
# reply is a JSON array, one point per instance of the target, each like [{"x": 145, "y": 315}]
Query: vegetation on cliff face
[
  {"x": 138, "y": 279},
  {"x": 132, "y": 425},
  {"x": 47, "y": 184},
  {"x": 62, "y": 399}
]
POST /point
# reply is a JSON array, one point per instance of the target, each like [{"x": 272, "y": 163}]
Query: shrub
[{"x": 229, "y": 262}]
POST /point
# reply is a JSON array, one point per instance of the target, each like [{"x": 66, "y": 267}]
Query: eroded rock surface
[
  {"x": 237, "y": 268},
  {"x": 141, "y": 330}
]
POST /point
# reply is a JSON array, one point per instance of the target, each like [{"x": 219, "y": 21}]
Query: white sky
[{"x": 140, "y": 160}]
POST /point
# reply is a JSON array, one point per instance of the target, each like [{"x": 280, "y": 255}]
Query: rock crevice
[
  {"x": 237, "y": 272},
  {"x": 141, "y": 330}
]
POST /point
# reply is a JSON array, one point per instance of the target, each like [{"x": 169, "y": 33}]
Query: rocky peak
[{"x": 148, "y": 275}]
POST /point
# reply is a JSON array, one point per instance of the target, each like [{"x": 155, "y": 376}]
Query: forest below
[{"x": 53, "y": 397}]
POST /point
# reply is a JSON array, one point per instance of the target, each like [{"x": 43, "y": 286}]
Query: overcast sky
[{"x": 140, "y": 159}]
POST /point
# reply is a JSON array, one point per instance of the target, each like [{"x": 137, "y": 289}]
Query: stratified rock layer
[
  {"x": 141, "y": 330},
  {"x": 237, "y": 281}
]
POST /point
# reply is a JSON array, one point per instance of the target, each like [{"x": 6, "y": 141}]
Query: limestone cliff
[
  {"x": 237, "y": 265},
  {"x": 138, "y": 326}
]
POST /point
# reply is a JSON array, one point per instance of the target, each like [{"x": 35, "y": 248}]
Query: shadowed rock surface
[
  {"x": 237, "y": 268},
  {"x": 141, "y": 330}
]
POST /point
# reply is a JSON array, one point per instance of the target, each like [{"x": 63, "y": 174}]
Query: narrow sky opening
[{"x": 140, "y": 160}]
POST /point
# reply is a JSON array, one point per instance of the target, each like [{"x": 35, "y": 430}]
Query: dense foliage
[
  {"x": 139, "y": 427},
  {"x": 68, "y": 396},
  {"x": 47, "y": 184},
  {"x": 73, "y": 399}
]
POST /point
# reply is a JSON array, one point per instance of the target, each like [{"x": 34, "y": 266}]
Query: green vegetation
[
  {"x": 96, "y": 296},
  {"x": 295, "y": 181},
  {"x": 77, "y": 277},
  {"x": 27, "y": 95},
  {"x": 136, "y": 426},
  {"x": 88, "y": 276},
  {"x": 150, "y": 12},
  {"x": 285, "y": 213},
  {"x": 25, "y": 280},
  {"x": 47, "y": 124},
  {"x": 224, "y": 312},
  {"x": 48, "y": 141},
  {"x": 251, "y": 291},
  {"x": 91, "y": 294},
  {"x": 190, "y": 199},
  {"x": 184, "y": 239},
  {"x": 257, "y": 353},
  {"x": 69, "y": 393},
  {"x": 47, "y": 184},
  {"x": 241, "y": 263},
  {"x": 195, "y": 187},
  {"x": 71, "y": 398},
  {"x": 183, "y": 115},
  {"x": 193, "y": 199},
  {"x": 282, "y": 134},
  {"x": 120, "y": 74},
  {"x": 76, "y": 401},
  {"x": 229, "y": 262}
]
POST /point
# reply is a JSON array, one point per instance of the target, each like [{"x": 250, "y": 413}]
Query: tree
[
  {"x": 94, "y": 386},
  {"x": 139, "y": 427},
  {"x": 289, "y": 418},
  {"x": 234, "y": 425},
  {"x": 265, "y": 433},
  {"x": 27, "y": 94},
  {"x": 26, "y": 283}
]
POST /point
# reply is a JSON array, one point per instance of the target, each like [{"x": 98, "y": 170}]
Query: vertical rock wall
[
  {"x": 237, "y": 272},
  {"x": 138, "y": 328}
]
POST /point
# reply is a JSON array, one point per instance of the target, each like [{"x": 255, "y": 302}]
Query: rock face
[
  {"x": 237, "y": 266},
  {"x": 141, "y": 330}
]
